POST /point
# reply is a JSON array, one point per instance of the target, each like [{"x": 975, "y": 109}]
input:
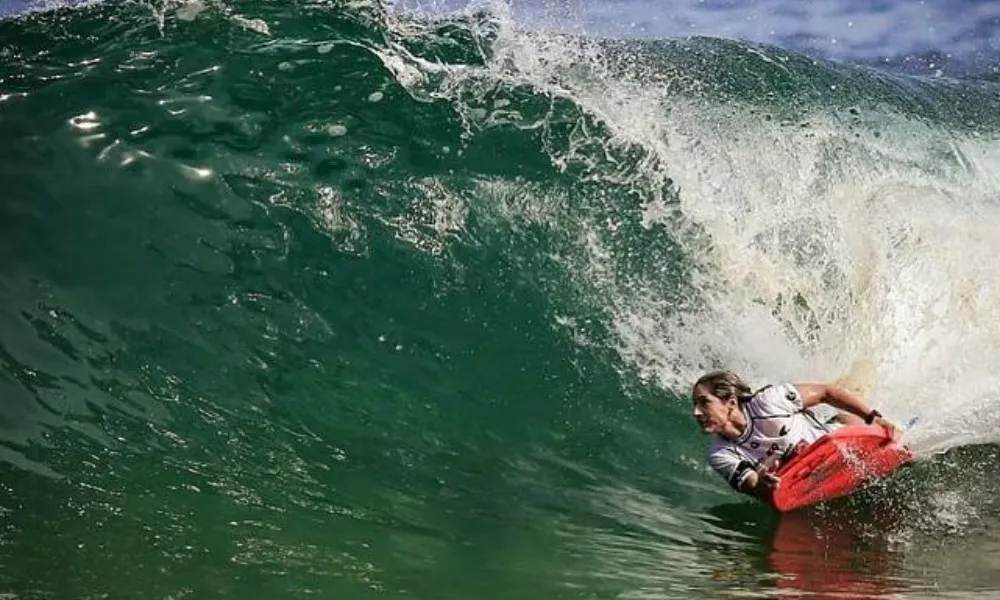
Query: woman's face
[{"x": 711, "y": 412}]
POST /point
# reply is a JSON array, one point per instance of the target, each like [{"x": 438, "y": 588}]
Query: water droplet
[{"x": 85, "y": 122}]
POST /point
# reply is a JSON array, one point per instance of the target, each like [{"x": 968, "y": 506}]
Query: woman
[{"x": 754, "y": 431}]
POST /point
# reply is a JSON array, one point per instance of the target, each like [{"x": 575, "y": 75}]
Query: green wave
[{"x": 319, "y": 298}]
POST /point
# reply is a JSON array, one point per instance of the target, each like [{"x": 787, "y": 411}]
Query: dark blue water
[{"x": 930, "y": 37}]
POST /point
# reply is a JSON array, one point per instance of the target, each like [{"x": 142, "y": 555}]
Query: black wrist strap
[{"x": 870, "y": 417}]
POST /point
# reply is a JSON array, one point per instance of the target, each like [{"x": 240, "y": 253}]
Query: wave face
[{"x": 318, "y": 298}]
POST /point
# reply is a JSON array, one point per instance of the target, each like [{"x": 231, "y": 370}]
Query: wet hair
[{"x": 725, "y": 385}]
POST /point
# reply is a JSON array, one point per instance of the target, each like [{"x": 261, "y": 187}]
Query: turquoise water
[{"x": 320, "y": 300}]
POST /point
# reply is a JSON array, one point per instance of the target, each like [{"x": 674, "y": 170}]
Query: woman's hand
[
  {"x": 890, "y": 428},
  {"x": 768, "y": 481}
]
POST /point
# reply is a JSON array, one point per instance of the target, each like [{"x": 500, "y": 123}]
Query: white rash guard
[{"x": 776, "y": 422}]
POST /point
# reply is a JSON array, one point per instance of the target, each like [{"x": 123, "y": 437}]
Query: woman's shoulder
[{"x": 774, "y": 396}]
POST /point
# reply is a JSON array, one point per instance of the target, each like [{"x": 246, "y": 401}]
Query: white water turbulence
[{"x": 833, "y": 256}]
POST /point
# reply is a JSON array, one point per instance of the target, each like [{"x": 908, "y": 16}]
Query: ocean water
[{"x": 352, "y": 300}]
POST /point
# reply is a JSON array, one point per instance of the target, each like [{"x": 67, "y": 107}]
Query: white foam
[{"x": 890, "y": 244}]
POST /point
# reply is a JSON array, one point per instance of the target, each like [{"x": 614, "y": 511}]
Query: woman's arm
[
  {"x": 838, "y": 397},
  {"x": 760, "y": 484}
]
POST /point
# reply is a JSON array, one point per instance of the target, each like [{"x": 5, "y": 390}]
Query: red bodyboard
[{"x": 836, "y": 465}]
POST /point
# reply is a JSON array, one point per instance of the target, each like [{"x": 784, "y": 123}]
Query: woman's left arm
[{"x": 838, "y": 397}]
